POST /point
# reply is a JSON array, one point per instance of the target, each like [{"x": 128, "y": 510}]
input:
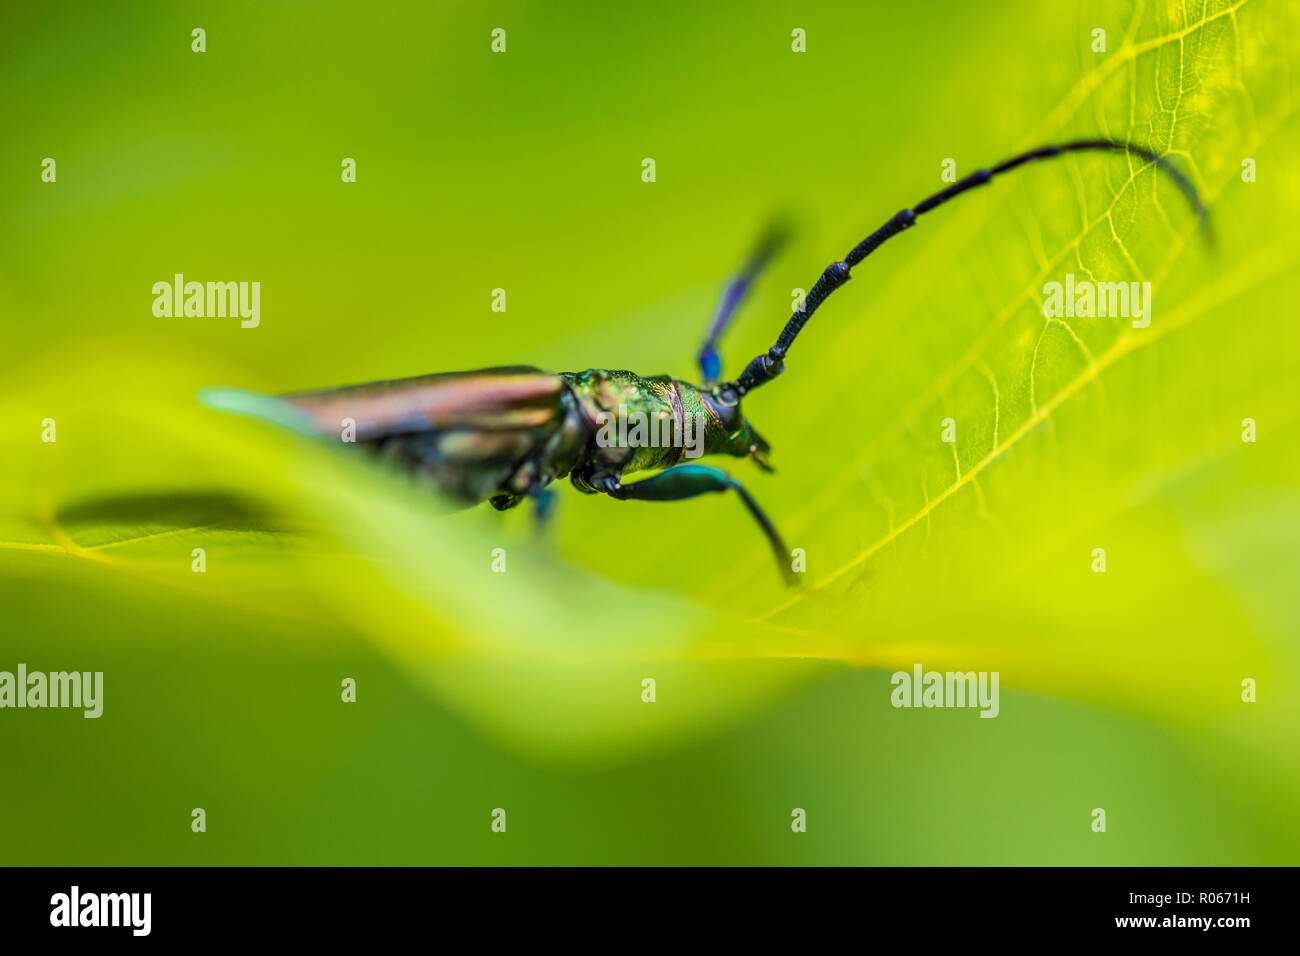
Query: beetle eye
[
  {"x": 727, "y": 412},
  {"x": 726, "y": 395}
]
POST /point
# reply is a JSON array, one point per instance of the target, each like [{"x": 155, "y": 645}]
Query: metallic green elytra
[{"x": 505, "y": 434}]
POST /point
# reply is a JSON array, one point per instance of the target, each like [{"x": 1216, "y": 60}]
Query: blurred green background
[{"x": 522, "y": 171}]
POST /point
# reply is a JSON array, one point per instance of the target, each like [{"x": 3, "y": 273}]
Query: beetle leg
[
  {"x": 545, "y": 507},
  {"x": 733, "y": 295},
  {"x": 689, "y": 481}
]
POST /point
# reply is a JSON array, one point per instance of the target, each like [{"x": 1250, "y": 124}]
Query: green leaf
[{"x": 1070, "y": 436}]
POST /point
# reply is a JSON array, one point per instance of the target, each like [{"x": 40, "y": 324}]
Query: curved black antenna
[{"x": 770, "y": 364}]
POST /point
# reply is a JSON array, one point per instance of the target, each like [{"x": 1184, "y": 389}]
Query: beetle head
[{"x": 730, "y": 432}]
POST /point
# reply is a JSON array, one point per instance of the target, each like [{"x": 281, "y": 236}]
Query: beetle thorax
[{"x": 639, "y": 422}]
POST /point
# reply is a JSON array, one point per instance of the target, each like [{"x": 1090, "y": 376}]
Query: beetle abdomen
[{"x": 477, "y": 435}]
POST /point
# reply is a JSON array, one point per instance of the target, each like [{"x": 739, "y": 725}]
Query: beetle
[{"x": 503, "y": 435}]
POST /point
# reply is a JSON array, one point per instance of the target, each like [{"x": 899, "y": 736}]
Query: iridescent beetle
[{"x": 505, "y": 434}]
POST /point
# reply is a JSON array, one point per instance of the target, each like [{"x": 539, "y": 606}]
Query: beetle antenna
[{"x": 770, "y": 364}]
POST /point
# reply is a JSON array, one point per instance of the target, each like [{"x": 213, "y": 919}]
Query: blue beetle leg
[
  {"x": 734, "y": 294},
  {"x": 690, "y": 481},
  {"x": 544, "y": 500}
]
